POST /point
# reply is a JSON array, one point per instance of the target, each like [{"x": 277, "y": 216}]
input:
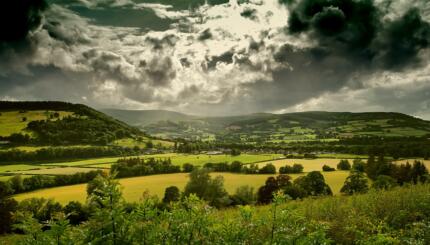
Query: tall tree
[
  {"x": 355, "y": 183},
  {"x": 7, "y": 207}
]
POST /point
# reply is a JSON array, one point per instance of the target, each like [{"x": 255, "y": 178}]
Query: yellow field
[
  {"x": 133, "y": 188},
  {"x": 411, "y": 161},
  {"x": 11, "y": 121},
  {"x": 308, "y": 164}
]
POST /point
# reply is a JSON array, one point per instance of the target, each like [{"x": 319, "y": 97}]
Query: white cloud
[{"x": 177, "y": 69}]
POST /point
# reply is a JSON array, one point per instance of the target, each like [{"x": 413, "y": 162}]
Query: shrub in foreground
[{"x": 398, "y": 216}]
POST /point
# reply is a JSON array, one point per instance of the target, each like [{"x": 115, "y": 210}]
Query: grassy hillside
[
  {"x": 59, "y": 123},
  {"x": 291, "y": 127}
]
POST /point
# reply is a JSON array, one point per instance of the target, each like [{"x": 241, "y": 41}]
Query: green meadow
[{"x": 16, "y": 122}]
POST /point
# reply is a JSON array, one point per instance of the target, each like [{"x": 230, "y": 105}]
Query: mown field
[{"x": 133, "y": 188}]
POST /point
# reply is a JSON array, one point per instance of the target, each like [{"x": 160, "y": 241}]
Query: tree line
[
  {"x": 395, "y": 147},
  {"x": 128, "y": 167},
  {"x": 66, "y": 153},
  {"x": 17, "y": 184}
]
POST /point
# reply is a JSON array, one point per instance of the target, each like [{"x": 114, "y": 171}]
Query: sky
[{"x": 219, "y": 57}]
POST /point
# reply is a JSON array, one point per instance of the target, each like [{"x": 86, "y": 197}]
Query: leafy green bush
[
  {"x": 327, "y": 168},
  {"x": 344, "y": 165},
  {"x": 356, "y": 182},
  {"x": 268, "y": 169},
  {"x": 295, "y": 169}
]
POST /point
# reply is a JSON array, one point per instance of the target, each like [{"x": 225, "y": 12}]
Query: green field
[
  {"x": 5, "y": 178},
  {"x": 178, "y": 159},
  {"x": 133, "y": 188},
  {"x": 57, "y": 171},
  {"x": 102, "y": 166},
  {"x": 84, "y": 162},
  {"x": 12, "y": 121},
  {"x": 128, "y": 142},
  {"x": 19, "y": 167}
]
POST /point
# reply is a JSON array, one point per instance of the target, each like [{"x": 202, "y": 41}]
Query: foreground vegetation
[
  {"x": 393, "y": 208},
  {"x": 397, "y": 216}
]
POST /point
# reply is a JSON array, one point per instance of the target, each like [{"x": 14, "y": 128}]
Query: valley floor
[{"x": 133, "y": 188}]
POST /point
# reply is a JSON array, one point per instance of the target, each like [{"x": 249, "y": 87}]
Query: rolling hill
[
  {"x": 277, "y": 128},
  {"x": 59, "y": 123},
  {"x": 146, "y": 117}
]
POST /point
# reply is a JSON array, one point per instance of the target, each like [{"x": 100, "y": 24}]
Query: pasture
[
  {"x": 133, "y": 188},
  {"x": 18, "y": 168},
  {"x": 177, "y": 159},
  {"x": 128, "y": 142},
  {"x": 57, "y": 171},
  {"x": 15, "y": 121}
]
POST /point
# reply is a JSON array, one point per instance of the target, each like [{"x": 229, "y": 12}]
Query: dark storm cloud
[
  {"x": 205, "y": 35},
  {"x": 403, "y": 39},
  {"x": 166, "y": 41},
  {"x": 160, "y": 71},
  {"x": 185, "y": 4},
  {"x": 18, "y": 18},
  {"x": 215, "y": 60},
  {"x": 249, "y": 13},
  {"x": 359, "y": 30},
  {"x": 226, "y": 57},
  {"x": 46, "y": 83},
  {"x": 309, "y": 73}
]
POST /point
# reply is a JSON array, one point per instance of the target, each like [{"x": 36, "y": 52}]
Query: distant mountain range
[
  {"x": 145, "y": 117},
  {"x": 275, "y": 128}
]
